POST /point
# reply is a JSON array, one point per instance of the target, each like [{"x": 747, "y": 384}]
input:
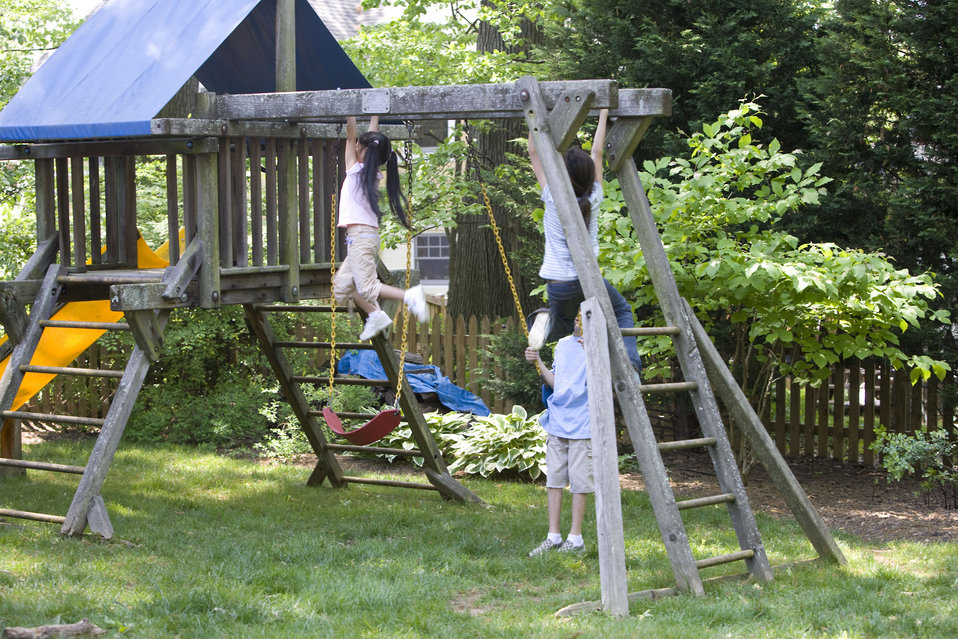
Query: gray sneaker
[
  {"x": 568, "y": 546},
  {"x": 545, "y": 546}
]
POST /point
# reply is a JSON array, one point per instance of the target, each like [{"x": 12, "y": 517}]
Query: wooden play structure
[{"x": 249, "y": 178}]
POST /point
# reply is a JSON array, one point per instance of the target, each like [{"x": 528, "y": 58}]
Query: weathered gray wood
[
  {"x": 225, "y": 200},
  {"x": 96, "y": 241},
  {"x": 63, "y": 209},
  {"x": 193, "y": 128},
  {"x": 327, "y": 466},
  {"x": 207, "y": 229},
  {"x": 40, "y": 261},
  {"x": 147, "y": 328},
  {"x": 285, "y": 45},
  {"x": 239, "y": 222},
  {"x": 111, "y": 148},
  {"x": 624, "y": 379},
  {"x": 79, "y": 211},
  {"x": 568, "y": 115},
  {"x": 99, "y": 519},
  {"x": 25, "y": 291},
  {"x": 765, "y": 449},
  {"x": 11, "y": 448},
  {"x": 256, "y": 201},
  {"x": 623, "y": 138},
  {"x": 101, "y": 457},
  {"x": 172, "y": 210},
  {"x": 605, "y": 464},
  {"x": 183, "y": 103},
  {"x": 42, "y": 309},
  {"x": 177, "y": 277},
  {"x": 45, "y": 199},
  {"x": 13, "y": 316},
  {"x": 703, "y": 400},
  {"x": 288, "y": 210},
  {"x": 438, "y": 102}
]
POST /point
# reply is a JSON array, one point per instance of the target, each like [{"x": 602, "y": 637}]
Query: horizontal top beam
[{"x": 475, "y": 101}]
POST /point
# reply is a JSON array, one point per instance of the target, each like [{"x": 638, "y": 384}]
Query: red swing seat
[{"x": 372, "y": 431}]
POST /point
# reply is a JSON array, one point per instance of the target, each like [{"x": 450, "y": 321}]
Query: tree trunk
[{"x": 478, "y": 284}]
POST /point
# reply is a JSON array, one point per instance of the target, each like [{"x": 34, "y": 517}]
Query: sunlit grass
[{"x": 217, "y": 547}]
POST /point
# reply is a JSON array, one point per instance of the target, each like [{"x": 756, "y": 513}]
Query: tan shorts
[
  {"x": 357, "y": 274},
  {"x": 569, "y": 463}
]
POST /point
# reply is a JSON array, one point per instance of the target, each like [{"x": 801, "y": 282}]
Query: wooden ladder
[
  {"x": 87, "y": 507},
  {"x": 327, "y": 466},
  {"x": 554, "y": 130}
]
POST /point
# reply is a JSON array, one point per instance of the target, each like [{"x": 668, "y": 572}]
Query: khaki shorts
[
  {"x": 358, "y": 271},
  {"x": 569, "y": 463}
]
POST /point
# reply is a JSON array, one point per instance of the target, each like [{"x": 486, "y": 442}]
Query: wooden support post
[
  {"x": 97, "y": 467},
  {"x": 45, "y": 199},
  {"x": 96, "y": 241},
  {"x": 79, "y": 211},
  {"x": 11, "y": 447},
  {"x": 207, "y": 229},
  {"x": 63, "y": 209},
  {"x": 147, "y": 330},
  {"x": 605, "y": 463},
  {"x": 288, "y": 209},
  {"x": 285, "y": 45},
  {"x": 765, "y": 450}
]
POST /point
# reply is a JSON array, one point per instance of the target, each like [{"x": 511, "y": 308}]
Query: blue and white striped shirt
[{"x": 557, "y": 260}]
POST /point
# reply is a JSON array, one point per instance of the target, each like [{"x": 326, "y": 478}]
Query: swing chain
[
  {"x": 407, "y": 158},
  {"x": 332, "y": 263},
  {"x": 474, "y": 157}
]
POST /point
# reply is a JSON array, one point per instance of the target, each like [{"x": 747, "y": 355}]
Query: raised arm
[
  {"x": 351, "y": 155},
  {"x": 548, "y": 377},
  {"x": 598, "y": 143},
  {"x": 536, "y": 162}
]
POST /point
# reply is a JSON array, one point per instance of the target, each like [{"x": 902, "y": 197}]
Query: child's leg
[
  {"x": 581, "y": 483},
  {"x": 579, "y": 502},
  {"x": 555, "y": 510},
  {"x": 564, "y": 301}
]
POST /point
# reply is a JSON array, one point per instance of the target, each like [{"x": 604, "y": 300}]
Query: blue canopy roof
[{"x": 128, "y": 60}]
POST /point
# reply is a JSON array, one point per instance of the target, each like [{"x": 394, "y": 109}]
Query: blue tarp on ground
[
  {"x": 128, "y": 60},
  {"x": 422, "y": 379}
]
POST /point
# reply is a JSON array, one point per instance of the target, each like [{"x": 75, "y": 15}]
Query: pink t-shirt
[{"x": 353, "y": 206}]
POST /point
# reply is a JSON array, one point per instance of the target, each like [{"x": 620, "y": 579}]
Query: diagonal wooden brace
[
  {"x": 147, "y": 330},
  {"x": 567, "y": 116},
  {"x": 177, "y": 277}
]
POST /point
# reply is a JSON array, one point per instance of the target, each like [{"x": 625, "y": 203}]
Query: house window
[{"x": 432, "y": 256}]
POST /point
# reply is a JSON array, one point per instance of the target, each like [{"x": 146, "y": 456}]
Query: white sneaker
[
  {"x": 416, "y": 301},
  {"x": 540, "y": 329},
  {"x": 376, "y": 323}
]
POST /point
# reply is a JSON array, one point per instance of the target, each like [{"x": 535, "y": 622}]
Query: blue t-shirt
[{"x": 567, "y": 409}]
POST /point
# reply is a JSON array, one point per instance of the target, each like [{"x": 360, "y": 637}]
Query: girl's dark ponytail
[
  {"x": 581, "y": 171},
  {"x": 378, "y": 152}
]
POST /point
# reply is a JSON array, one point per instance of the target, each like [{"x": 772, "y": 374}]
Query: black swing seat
[{"x": 372, "y": 431}]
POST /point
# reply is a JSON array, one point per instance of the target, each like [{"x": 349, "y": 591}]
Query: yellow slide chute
[{"x": 60, "y": 346}]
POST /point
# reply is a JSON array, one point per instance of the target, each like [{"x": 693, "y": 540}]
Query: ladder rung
[
  {"x": 22, "y": 514},
  {"x": 650, "y": 331},
  {"x": 401, "y": 452},
  {"x": 339, "y": 345},
  {"x": 56, "y": 468},
  {"x": 97, "y": 326},
  {"x": 66, "y": 370},
  {"x": 669, "y": 387},
  {"x": 345, "y": 381},
  {"x": 685, "y": 444},
  {"x": 388, "y": 482},
  {"x": 144, "y": 276},
  {"x": 292, "y": 308},
  {"x": 724, "y": 559},
  {"x": 59, "y": 419},
  {"x": 705, "y": 501}
]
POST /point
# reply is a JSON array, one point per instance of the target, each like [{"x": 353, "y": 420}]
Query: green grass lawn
[{"x": 208, "y": 546}]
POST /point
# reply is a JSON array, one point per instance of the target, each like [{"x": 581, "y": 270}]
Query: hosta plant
[{"x": 502, "y": 444}]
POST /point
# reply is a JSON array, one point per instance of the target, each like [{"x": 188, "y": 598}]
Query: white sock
[
  {"x": 575, "y": 539},
  {"x": 555, "y": 538}
]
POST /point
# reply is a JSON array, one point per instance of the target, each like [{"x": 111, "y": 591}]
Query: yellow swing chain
[
  {"x": 332, "y": 264},
  {"x": 495, "y": 230},
  {"x": 407, "y": 152}
]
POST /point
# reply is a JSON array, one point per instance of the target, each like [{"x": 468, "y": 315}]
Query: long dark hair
[
  {"x": 581, "y": 171},
  {"x": 379, "y": 151}
]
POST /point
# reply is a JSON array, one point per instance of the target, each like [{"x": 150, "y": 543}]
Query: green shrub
[
  {"x": 925, "y": 454},
  {"x": 502, "y": 444},
  {"x": 517, "y": 379}
]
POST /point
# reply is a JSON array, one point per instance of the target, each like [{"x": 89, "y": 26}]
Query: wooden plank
[
  {"x": 272, "y": 224},
  {"x": 320, "y": 180},
  {"x": 568, "y": 115},
  {"x": 854, "y": 410},
  {"x": 109, "y": 148},
  {"x": 11, "y": 447},
  {"x": 256, "y": 201},
  {"x": 239, "y": 224},
  {"x": 765, "y": 451},
  {"x": 471, "y": 101},
  {"x": 107, "y": 442},
  {"x": 45, "y": 190},
  {"x": 794, "y": 418},
  {"x": 823, "y": 406},
  {"x": 224, "y": 189},
  {"x": 471, "y": 358},
  {"x": 838, "y": 412},
  {"x": 172, "y": 210},
  {"x": 931, "y": 404},
  {"x": 285, "y": 45},
  {"x": 189, "y": 198},
  {"x": 202, "y": 128},
  {"x": 462, "y": 367},
  {"x": 288, "y": 227},
  {"x": 448, "y": 349},
  {"x": 78, "y": 198},
  {"x": 868, "y": 418},
  {"x": 96, "y": 239},
  {"x": 884, "y": 393},
  {"x": 302, "y": 199},
  {"x": 207, "y": 230},
  {"x": 605, "y": 457},
  {"x": 63, "y": 209},
  {"x": 486, "y": 330},
  {"x": 780, "y": 415}
]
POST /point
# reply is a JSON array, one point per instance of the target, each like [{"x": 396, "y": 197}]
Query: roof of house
[{"x": 129, "y": 58}]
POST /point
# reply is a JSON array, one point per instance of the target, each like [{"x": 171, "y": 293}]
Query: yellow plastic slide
[{"x": 60, "y": 346}]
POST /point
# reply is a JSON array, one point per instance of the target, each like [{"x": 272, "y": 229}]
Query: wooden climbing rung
[
  {"x": 724, "y": 498},
  {"x": 66, "y": 370},
  {"x": 686, "y": 444},
  {"x": 126, "y": 276},
  {"x": 59, "y": 419},
  {"x": 650, "y": 331},
  {"x": 725, "y": 559},
  {"x": 388, "y": 482},
  {"x": 94, "y": 326},
  {"x": 32, "y": 465},
  {"x": 375, "y": 450},
  {"x": 22, "y": 514},
  {"x": 670, "y": 387}
]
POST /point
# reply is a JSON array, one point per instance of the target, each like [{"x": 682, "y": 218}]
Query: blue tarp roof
[{"x": 128, "y": 60}]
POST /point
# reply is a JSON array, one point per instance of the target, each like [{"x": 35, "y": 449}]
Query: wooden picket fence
[{"x": 836, "y": 420}]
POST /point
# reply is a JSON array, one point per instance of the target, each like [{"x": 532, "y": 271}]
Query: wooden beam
[
  {"x": 568, "y": 115},
  {"x": 184, "y": 146},
  {"x": 286, "y": 45},
  {"x": 436, "y": 102}
]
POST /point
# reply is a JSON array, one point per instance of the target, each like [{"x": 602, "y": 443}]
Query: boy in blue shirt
[{"x": 569, "y": 443}]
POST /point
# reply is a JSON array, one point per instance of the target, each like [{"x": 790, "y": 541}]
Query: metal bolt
[
  {"x": 183, "y": 297},
  {"x": 215, "y": 296},
  {"x": 302, "y": 132},
  {"x": 672, "y": 537},
  {"x": 224, "y": 129},
  {"x": 620, "y": 387},
  {"x": 524, "y": 95},
  {"x": 567, "y": 98},
  {"x": 295, "y": 290}
]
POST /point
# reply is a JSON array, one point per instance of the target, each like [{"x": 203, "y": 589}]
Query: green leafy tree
[{"x": 759, "y": 290}]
